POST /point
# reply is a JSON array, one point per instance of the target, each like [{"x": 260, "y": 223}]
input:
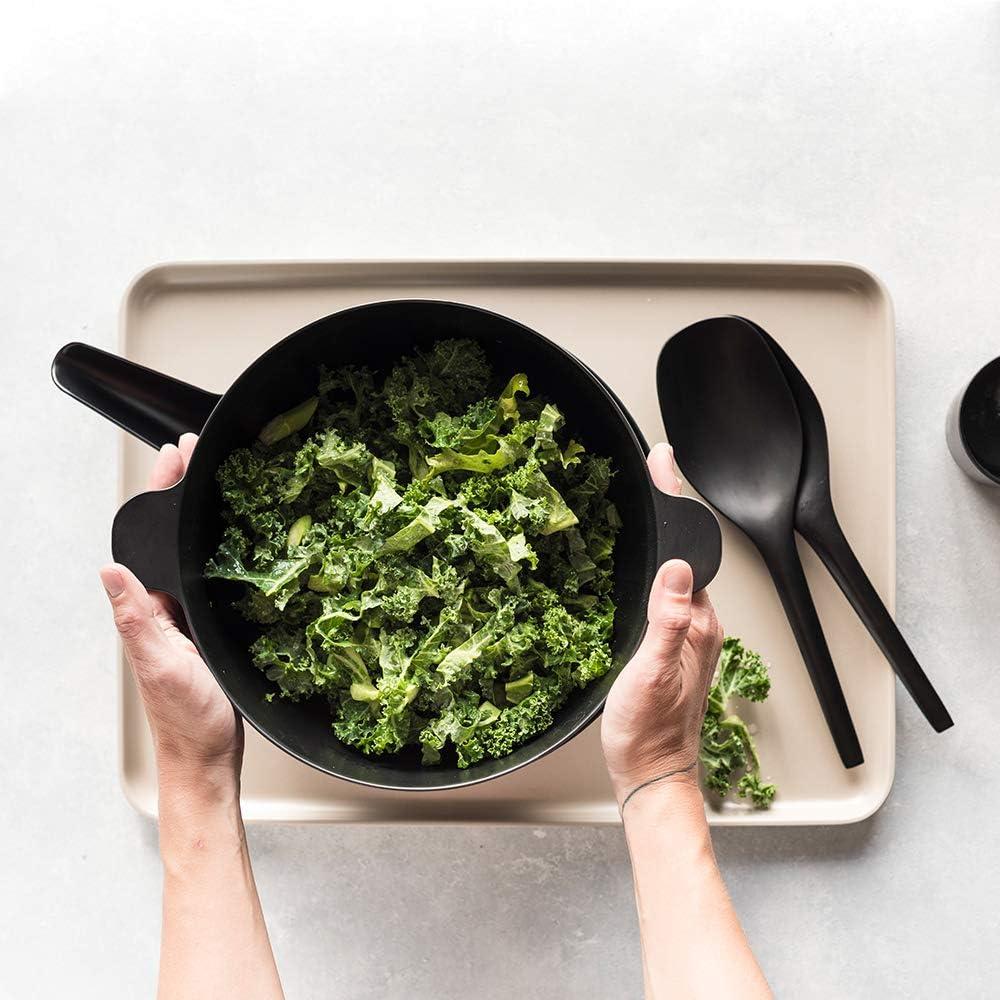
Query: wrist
[
  {"x": 674, "y": 800},
  {"x": 676, "y": 768},
  {"x": 199, "y": 814},
  {"x": 667, "y": 832},
  {"x": 180, "y": 768},
  {"x": 196, "y": 789}
]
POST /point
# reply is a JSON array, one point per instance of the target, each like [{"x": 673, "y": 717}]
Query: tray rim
[{"x": 315, "y": 272}]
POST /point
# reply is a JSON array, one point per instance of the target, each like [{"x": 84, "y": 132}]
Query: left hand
[{"x": 194, "y": 725}]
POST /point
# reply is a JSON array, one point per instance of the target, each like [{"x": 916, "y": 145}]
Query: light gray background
[{"x": 136, "y": 132}]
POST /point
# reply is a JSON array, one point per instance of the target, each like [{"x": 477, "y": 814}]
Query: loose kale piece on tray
[
  {"x": 727, "y": 746},
  {"x": 431, "y": 551}
]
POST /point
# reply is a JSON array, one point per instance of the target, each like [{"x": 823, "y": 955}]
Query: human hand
[
  {"x": 651, "y": 727},
  {"x": 196, "y": 731}
]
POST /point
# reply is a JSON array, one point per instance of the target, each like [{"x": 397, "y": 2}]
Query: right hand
[
  {"x": 652, "y": 719},
  {"x": 195, "y": 727}
]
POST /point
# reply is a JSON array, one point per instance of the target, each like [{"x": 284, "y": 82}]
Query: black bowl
[{"x": 167, "y": 536}]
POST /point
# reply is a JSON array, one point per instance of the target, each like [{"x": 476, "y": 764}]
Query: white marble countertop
[{"x": 134, "y": 133}]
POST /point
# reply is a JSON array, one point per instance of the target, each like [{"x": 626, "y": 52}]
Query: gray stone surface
[{"x": 137, "y": 133}]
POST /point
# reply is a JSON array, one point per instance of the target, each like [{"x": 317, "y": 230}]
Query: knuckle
[
  {"x": 674, "y": 622},
  {"x": 129, "y": 622}
]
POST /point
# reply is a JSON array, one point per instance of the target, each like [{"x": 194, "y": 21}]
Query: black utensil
[
  {"x": 816, "y": 520},
  {"x": 166, "y": 536},
  {"x": 735, "y": 430}
]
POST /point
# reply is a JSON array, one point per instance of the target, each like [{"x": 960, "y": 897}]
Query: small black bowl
[
  {"x": 973, "y": 426},
  {"x": 167, "y": 536}
]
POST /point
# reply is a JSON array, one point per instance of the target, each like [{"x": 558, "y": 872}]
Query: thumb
[
  {"x": 669, "y": 612},
  {"x": 141, "y": 634}
]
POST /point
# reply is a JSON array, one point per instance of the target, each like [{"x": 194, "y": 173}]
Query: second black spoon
[
  {"x": 816, "y": 521},
  {"x": 734, "y": 427}
]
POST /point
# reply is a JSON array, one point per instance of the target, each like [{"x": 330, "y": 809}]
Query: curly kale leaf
[
  {"x": 741, "y": 673},
  {"x": 727, "y": 746}
]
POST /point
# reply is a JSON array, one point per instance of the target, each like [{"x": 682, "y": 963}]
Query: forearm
[
  {"x": 692, "y": 942},
  {"x": 215, "y": 941}
]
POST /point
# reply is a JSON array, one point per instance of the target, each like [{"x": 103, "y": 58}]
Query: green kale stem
[
  {"x": 742, "y": 731},
  {"x": 364, "y": 692},
  {"x": 288, "y": 422},
  {"x": 517, "y": 690},
  {"x": 297, "y": 531}
]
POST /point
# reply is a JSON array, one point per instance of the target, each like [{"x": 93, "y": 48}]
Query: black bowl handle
[
  {"x": 144, "y": 538},
  {"x": 688, "y": 529},
  {"x": 685, "y": 528},
  {"x": 155, "y": 408}
]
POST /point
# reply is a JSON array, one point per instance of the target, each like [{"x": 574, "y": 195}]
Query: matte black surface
[
  {"x": 155, "y": 408},
  {"x": 816, "y": 520},
  {"x": 186, "y": 525},
  {"x": 144, "y": 537},
  {"x": 735, "y": 430},
  {"x": 684, "y": 524},
  {"x": 979, "y": 419}
]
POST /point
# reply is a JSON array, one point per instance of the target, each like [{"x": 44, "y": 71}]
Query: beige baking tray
[{"x": 204, "y": 322}]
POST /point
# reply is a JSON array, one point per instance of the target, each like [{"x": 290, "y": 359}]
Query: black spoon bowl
[
  {"x": 816, "y": 520},
  {"x": 735, "y": 430}
]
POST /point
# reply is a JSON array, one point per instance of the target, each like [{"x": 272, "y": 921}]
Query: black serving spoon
[
  {"x": 735, "y": 430},
  {"x": 816, "y": 521}
]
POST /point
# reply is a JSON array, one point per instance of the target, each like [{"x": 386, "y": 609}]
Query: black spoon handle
[
  {"x": 823, "y": 532},
  {"x": 790, "y": 581}
]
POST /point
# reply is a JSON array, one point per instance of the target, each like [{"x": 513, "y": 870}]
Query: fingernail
[
  {"x": 676, "y": 578},
  {"x": 113, "y": 581}
]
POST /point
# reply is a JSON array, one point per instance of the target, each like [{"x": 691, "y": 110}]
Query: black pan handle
[
  {"x": 687, "y": 529},
  {"x": 144, "y": 538},
  {"x": 155, "y": 408},
  {"x": 822, "y": 531},
  {"x": 790, "y": 581}
]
